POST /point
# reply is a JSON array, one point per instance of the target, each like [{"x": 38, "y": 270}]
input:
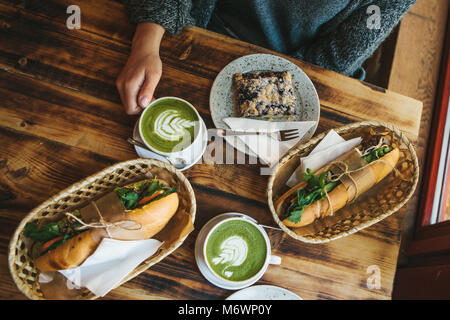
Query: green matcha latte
[
  {"x": 236, "y": 250},
  {"x": 169, "y": 125}
]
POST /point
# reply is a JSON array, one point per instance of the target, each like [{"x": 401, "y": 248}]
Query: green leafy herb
[
  {"x": 317, "y": 188},
  {"x": 66, "y": 228},
  {"x": 313, "y": 180},
  {"x": 51, "y": 230},
  {"x": 130, "y": 196},
  {"x": 377, "y": 153},
  {"x": 154, "y": 186},
  {"x": 42, "y": 234}
]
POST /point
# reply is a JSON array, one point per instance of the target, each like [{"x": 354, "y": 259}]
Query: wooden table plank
[
  {"x": 41, "y": 167},
  {"x": 208, "y": 52},
  {"x": 61, "y": 120},
  {"x": 174, "y": 81},
  {"x": 25, "y": 111}
]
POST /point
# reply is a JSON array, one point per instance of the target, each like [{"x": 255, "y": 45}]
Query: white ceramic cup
[
  {"x": 197, "y": 129},
  {"x": 270, "y": 259}
]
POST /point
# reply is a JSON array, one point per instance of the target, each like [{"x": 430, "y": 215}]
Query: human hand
[{"x": 140, "y": 75}]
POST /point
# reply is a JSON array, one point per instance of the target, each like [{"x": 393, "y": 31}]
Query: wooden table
[{"x": 61, "y": 120}]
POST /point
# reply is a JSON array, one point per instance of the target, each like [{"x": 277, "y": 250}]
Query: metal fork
[{"x": 282, "y": 135}]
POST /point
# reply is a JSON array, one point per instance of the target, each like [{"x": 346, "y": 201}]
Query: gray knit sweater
[{"x": 335, "y": 34}]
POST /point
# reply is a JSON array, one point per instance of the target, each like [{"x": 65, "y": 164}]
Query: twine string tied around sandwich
[
  {"x": 346, "y": 172},
  {"x": 126, "y": 224}
]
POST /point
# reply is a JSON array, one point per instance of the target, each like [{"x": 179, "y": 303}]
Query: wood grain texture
[
  {"x": 207, "y": 54},
  {"x": 314, "y": 267},
  {"x": 61, "y": 120}
]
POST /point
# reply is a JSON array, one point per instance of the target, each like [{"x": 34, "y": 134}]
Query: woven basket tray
[
  {"x": 79, "y": 194},
  {"x": 382, "y": 200}
]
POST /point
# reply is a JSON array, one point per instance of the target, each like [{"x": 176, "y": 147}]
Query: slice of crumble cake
[{"x": 264, "y": 94}]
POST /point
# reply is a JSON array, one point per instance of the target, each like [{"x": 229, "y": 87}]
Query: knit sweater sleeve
[
  {"x": 172, "y": 15},
  {"x": 356, "y": 38}
]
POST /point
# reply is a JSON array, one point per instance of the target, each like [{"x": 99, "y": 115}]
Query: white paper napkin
[
  {"x": 269, "y": 150},
  {"x": 331, "y": 147},
  {"x": 110, "y": 263}
]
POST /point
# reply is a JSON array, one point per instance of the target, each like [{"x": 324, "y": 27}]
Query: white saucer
[
  {"x": 207, "y": 273},
  {"x": 192, "y": 155},
  {"x": 264, "y": 292}
]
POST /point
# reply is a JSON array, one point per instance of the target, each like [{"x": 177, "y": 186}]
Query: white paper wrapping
[
  {"x": 331, "y": 147},
  {"x": 268, "y": 149},
  {"x": 110, "y": 263}
]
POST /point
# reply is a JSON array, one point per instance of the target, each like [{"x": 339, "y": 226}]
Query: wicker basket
[
  {"x": 21, "y": 266},
  {"x": 382, "y": 200}
]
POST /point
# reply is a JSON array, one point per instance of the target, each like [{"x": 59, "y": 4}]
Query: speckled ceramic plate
[
  {"x": 222, "y": 103},
  {"x": 264, "y": 292}
]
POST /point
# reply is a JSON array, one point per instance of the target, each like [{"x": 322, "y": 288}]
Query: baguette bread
[
  {"x": 341, "y": 194},
  {"x": 71, "y": 253},
  {"x": 153, "y": 217}
]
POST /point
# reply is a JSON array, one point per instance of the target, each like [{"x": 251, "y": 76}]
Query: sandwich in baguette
[
  {"x": 67, "y": 243},
  {"x": 320, "y": 195}
]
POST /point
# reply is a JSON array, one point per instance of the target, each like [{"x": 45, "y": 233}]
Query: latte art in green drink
[
  {"x": 233, "y": 252},
  {"x": 236, "y": 250},
  {"x": 169, "y": 125}
]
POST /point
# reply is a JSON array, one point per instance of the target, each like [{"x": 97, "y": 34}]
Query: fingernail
[{"x": 144, "y": 102}]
